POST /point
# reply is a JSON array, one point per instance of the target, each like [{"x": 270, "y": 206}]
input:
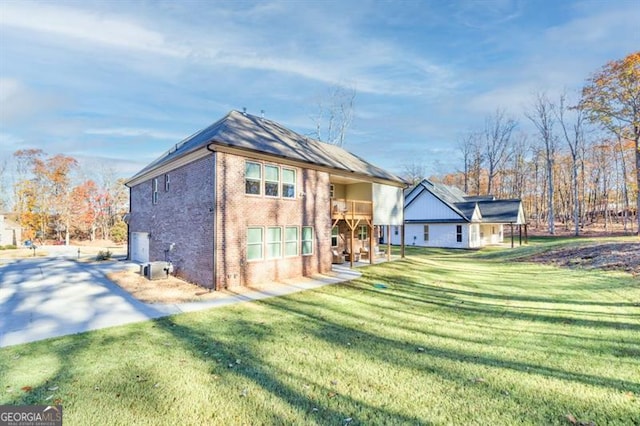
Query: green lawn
[{"x": 457, "y": 337}]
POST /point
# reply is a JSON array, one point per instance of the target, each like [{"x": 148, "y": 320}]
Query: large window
[
  {"x": 363, "y": 232},
  {"x": 459, "y": 233},
  {"x": 426, "y": 232},
  {"x": 271, "y": 180},
  {"x": 154, "y": 195},
  {"x": 307, "y": 240},
  {"x": 291, "y": 241},
  {"x": 288, "y": 183},
  {"x": 254, "y": 243},
  {"x": 252, "y": 178},
  {"x": 274, "y": 242},
  {"x": 335, "y": 232}
]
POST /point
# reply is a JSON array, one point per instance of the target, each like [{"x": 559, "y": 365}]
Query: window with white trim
[
  {"x": 363, "y": 232},
  {"x": 395, "y": 230},
  {"x": 335, "y": 232},
  {"x": 426, "y": 232},
  {"x": 459, "y": 233},
  {"x": 271, "y": 180},
  {"x": 154, "y": 196},
  {"x": 291, "y": 241},
  {"x": 307, "y": 240},
  {"x": 255, "y": 238},
  {"x": 274, "y": 242},
  {"x": 166, "y": 183},
  {"x": 288, "y": 183},
  {"x": 252, "y": 178}
]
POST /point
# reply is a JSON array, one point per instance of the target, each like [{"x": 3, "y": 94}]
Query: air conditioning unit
[{"x": 158, "y": 270}]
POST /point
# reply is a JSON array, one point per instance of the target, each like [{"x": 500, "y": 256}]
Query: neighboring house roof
[
  {"x": 484, "y": 209},
  {"x": 255, "y": 134}
]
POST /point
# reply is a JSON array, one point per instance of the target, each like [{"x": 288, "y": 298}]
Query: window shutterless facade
[
  {"x": 426, "y": 232},
  {"x": 271, "y": 180},
  {"x": 276, "y": 181},
  {"x": 291, "y": 241},
  {"x": 167, "y": 181},
  {"x": 335, "y": 232},
  {"x": 307, "y": 240},
  {"x": 255, "y": 239},
  {"x": 288, "y": 183},
  {"x": 154, "y": 195},
  {"x": 253, "y": 178},
  {"x": 459, "y": 233},
  {"x": 274, "y": 242},
  {"x": 363, "y": 232}
]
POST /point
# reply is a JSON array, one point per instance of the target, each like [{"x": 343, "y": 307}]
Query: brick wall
[
  {"x": 237, "y": 211},
  {"x": 182, "y": 216}
]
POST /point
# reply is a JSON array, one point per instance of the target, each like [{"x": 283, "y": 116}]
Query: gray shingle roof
[
  {"x": 491, "y": 210},
  {"x": 251, "y": 133}
]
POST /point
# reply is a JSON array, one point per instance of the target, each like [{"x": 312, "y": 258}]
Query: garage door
[{"x": 140, "y": 247}]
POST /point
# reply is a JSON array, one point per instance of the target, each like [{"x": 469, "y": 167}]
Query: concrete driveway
[
  {"x": 56, "y": 296},
  {"x": 47, "y": 297}
]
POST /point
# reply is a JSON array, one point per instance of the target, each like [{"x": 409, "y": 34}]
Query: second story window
[
  {"x": 154, "y": 196},
  {"x": 271, "y": 180},
  {"x": 252, "y": 178},
  {"x": 288, "y": 183}
]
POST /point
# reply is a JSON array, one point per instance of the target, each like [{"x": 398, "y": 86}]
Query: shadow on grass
[
  {"x": 258, "y": 372},
  {"x": 335, "y": 333}
]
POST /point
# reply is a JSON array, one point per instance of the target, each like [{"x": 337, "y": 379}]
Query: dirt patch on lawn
[
  {"x": 175, "y": 290},
  {"x": 607, "y": 256}
]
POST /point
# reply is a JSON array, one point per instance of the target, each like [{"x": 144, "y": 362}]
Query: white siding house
[{"x": 437, "y": 215}]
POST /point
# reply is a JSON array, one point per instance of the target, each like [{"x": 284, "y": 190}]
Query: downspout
[
  {"x": 215, "y": 217},
  {"x": 128, "y": 229}
]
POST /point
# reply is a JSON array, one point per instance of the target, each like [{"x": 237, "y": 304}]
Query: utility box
[{"x": 157, "y": 270}]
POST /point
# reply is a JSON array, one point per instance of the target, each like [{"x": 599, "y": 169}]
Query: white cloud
[
  {"x": 85, "y": 26},
  {"x": 134, "y": 132},
  {"x": 376, "y": 66},
  {"x": 18, "y": 102}
]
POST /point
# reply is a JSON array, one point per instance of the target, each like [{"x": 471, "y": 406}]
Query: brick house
[{"x": 247, "y": 200}]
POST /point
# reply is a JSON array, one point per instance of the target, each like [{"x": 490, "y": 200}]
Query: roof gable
[{"x": 254, "y": 134}]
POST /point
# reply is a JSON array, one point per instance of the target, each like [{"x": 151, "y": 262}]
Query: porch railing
[{"x": 351, "y": 209}]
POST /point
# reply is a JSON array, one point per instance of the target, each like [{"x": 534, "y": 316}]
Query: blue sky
[{"x": 119, "y": 82}]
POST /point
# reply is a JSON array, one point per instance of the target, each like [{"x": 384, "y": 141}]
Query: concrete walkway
[{"x": 49, "y": 297}]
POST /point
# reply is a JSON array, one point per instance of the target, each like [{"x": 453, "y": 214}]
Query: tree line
[
  {"x": 52, "y": 199},
  {"x": 576, "y": 168}
]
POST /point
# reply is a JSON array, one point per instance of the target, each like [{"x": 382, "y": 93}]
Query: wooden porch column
[
  {"x": 402, "y": 241},
  {"x": 352, "y": 254}
]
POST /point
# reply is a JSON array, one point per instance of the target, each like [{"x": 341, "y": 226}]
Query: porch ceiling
[{"x": 345, "y": 180}]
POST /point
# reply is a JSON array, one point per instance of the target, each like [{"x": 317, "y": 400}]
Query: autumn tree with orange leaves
[{"x": 611, "y": 99}]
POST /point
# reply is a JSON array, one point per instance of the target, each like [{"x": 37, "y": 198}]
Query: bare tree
[
  {"x": 497, "y": 136},
  {"x": 413, "y": 172},
  {"x": 334, "y": 115},
  {"x": 466, "y": 147},
  {"x": 574, "y": 137},
  {"x": 4, "y": 201},
  {"x": 542, "y": 116}
]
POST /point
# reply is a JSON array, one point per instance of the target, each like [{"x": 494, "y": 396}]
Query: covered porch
[{"x": 357, "y": 210}]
